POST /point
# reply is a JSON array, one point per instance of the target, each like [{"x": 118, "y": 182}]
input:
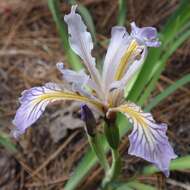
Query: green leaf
[
  {"x": 96, "y": 146},
  {"x": 124, "y": 187},
  {"x": 131, "y": 185},
  {"x": 111, "y": 132},
  {"x": 181, "y": 163},
  {"x": 168, "y": 91},
  {"x": 121, "y": 19},
  {"x": 178, "y": 19},
  {"x": 6, "y": 142}
]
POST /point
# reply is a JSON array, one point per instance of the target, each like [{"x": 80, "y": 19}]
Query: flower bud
[{"x": 88, "y": 117}]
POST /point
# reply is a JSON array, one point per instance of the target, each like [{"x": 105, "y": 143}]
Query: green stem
[
  {"x": 99, "y": 151},
  {"x": 112, "y": 134},
  {"x": 114, "y": 171},
  {"x": 116, "y": 163}
]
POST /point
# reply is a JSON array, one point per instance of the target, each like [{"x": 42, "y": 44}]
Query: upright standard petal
[
  {"x": 120, "y": 40},
  {"x": 148, "y": 140},
  {"x": 134, "y": 66},
  {"x": 145, "y": 35},
  {"x": 130, "y": 55},
  {"x": 81, "y": 42},
  {"x": 34, "y": 101}
]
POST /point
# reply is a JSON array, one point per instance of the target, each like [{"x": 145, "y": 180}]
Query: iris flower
[{"x": 104, "y": 91}]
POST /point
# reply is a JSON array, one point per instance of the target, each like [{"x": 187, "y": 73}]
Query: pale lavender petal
[
  {"x": 148, "y": 140},
  {"x": 152, "y": 145},
  {"x": 79, "y": 80},
  {"x": 81, "y": 42},
  {"x": 34, "y": 101},
  {"x": 71, "y": 76},
  {"x": 31, "y": 107},
  {"x": 119, "y": 43},
  {"x": 145, "y": 35}
]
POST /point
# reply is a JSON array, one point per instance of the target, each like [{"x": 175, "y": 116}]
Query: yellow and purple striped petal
[
  {"x": 148, "y": 139},
  {"x": 34, "y": 101}
]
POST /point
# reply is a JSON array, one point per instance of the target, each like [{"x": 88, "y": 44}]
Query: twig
[
  {"x": 54, "y": 155},
  {"x": 51, "y": 182},
  {"x": 179, "y": 184},
  {"x": 28, "y": 169},
  {"x": 104, "y": 22}
]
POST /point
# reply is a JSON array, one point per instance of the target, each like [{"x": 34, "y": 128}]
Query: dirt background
[{"x": 47, "y": 154}]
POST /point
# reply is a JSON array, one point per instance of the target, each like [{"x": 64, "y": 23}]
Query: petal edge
[
  {"x": 148, "y": 140},
  {"x": 34, "y": 101}
]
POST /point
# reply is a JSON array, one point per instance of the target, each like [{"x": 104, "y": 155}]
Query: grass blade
[
  {"x": 181, "y": 163},
  {"x": 184, "y": 80},
  {"x": 131, "y": 185},
  {"x": 6, "y": 142},
  {"x": 121, "y": 19}
]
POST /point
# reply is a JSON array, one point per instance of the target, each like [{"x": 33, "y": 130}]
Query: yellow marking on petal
[
  {"x": 134, "y": 114},
  {"x": 125, "y": 59},
  {"x": 66, "y": 96}
]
